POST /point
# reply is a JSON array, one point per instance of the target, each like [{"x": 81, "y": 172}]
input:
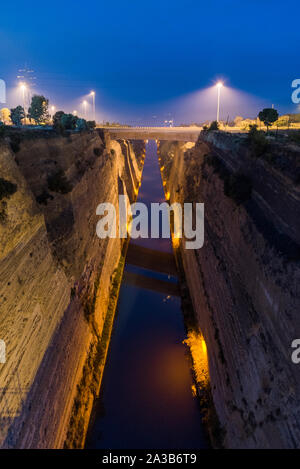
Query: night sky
[{"x": 151, "y": 60}]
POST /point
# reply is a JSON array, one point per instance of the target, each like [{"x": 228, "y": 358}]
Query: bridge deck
[
  {"x": 150, "y": 283},
  {"x": 151, "y": 259},
  {"x": 184, "y": 134}
]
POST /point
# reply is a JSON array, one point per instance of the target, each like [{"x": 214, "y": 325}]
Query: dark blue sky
[{"x": 147, "y": 58}]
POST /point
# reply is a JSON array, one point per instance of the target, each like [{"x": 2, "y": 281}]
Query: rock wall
[
  {"x": 244, "y": 283},
  {"x": 55, "y": 274}
]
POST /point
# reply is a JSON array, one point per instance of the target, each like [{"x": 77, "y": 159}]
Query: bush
[
  {"x": 295, "y": 137},
  {"x": 2, "y": 129},
  {"x": 91, "y": 124},
  {"x": 218, "y": 166},
  {"x": 257, "y": 140},
  {"x": 238, "y": 187},
  {"x": 57, "y": 117},
  {"x": 58, "y": 182},
  {"x": 7, "y": 188},
  {"x": 15, "y": 141},
  {"x": 69, "y": 121},
  {"x": 81, "y": 125},
  {"x": 213, "y": 126}
]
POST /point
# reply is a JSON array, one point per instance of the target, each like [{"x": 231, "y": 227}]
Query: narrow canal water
[{"x": 146, "y": 399}]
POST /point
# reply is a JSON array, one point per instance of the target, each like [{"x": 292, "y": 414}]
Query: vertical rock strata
[
  {"x": 244, "y": 282},
  {"x": 55, "y": 279}
]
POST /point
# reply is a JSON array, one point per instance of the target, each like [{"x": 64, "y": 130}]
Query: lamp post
[
  {"x": 84, "y": 103},
  {"x": 93, "y": 94},
  {"x": 219, "y": 86},
  {"x": 52, "y": 111},
  {"x": 23, "y": 89}
]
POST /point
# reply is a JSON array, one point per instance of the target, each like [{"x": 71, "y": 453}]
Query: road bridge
[{"x": 181, "y": 134}]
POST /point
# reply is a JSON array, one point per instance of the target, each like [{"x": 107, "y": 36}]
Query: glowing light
[
  {"x": 195, "y": 341},
  {"x": 84, "y": 104},
  {"x": 23, "y": 88},
  {"x": 176, "y": 242},
  {"x": 93, "y": 94},
  {"x": 219, "y": 86},
  {"x": 204, "y": 348}
]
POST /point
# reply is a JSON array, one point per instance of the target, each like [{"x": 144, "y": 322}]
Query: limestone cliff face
[
  {"x": 244, "y": 285},
  {"x": 55, "y": 274}
]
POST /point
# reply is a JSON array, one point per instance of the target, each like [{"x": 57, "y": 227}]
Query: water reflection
[{"x": 146, "y": 399}]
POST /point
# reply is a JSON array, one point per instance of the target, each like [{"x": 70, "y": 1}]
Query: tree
[
  {"x": 16, "y": 115},
  {"x": 38, "y": 110},
  {"x": 5, "y": 115},
  {"x": 268, "y": 116},
  {"x": 69, "y": 121},
  {"x": 57, "y": 118},
  {"x": 91, "y": 124},
  {"x": 81, "y": 125}
]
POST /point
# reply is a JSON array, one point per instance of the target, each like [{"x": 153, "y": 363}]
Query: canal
[{"x": 146, "y": 400}]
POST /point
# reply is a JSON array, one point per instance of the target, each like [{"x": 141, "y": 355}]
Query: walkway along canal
[{"x": 146, "y": 398}]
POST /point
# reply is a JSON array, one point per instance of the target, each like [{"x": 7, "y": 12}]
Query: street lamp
[
  {"x": 23, "y": 89},
  {"x": 75, "y": 112},
  {"x": 93, "y": 94},
  {"x": 219, "y": 86},
  {"x": 84, "y": 103},
  {"x": 52, "y": 111}
]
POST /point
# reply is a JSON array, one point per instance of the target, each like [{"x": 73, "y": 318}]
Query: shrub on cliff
[
  {"x": 213, "y": 126},
  {"x": 91, "y": 125},
  {"x": 81, "y": 125},
  {"x": 7, "y": 188},
  {"x": 257, "y": 141},
  {"x": 238, "y": 187},
  {"x": 2, "y": 129},
  {"x": 295, "y": 137},
  {"x": 15, "y": 141},
  {"x": 69, "y": 121},
  {"x": 56, "y": 122},
  {"x": 218, "y": 166},
  {"x": 58, "y": 182}
]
